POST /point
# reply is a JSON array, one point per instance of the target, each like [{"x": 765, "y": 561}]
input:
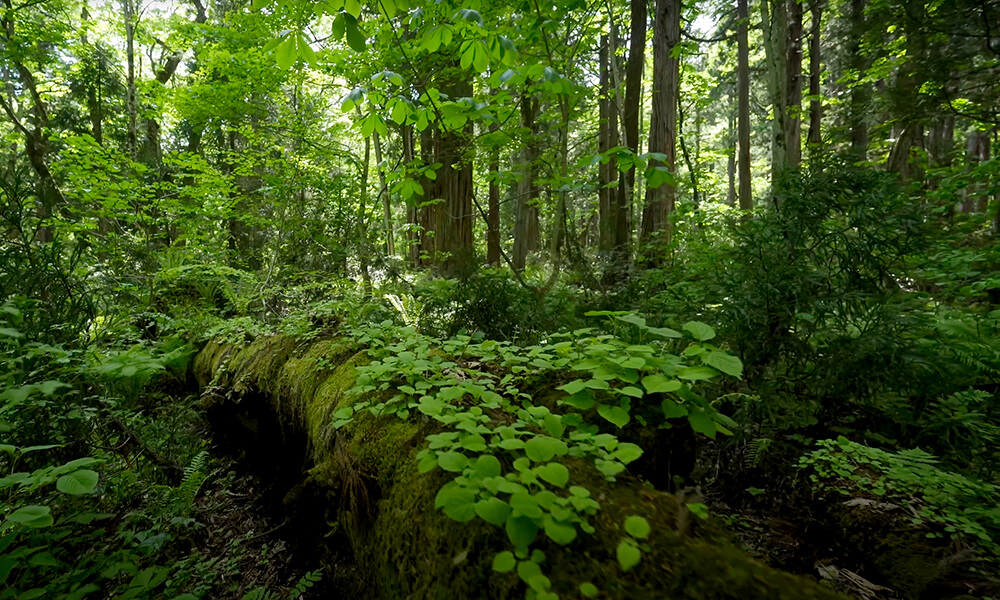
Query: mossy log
[{"x": 405, "y": 548}]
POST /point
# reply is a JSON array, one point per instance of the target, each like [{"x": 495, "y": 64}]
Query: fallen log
[{"x": 405, "y": 547}]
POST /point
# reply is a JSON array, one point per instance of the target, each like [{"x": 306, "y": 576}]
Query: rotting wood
[{"x": 406, "y": 549}]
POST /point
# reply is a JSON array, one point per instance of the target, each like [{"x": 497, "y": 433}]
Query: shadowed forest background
[{"x": 474, "y": 299}]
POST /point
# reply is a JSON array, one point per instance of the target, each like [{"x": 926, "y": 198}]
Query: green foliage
[
  {"x": 944, "y": 503},
  {"x": 517, "y": 473}
]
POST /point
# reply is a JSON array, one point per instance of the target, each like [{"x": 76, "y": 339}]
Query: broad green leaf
[
  {"x": 526, "y": 505},
  {"x": 452, "y": 461},
  {"x": 542, "y": 448},
  {"x": 286, "y": 52},
  {"x": 554, "y": 473},
  {"x": 504, "y": 562},
  {"x": 583, "y": 400},
  {"x": 528, "y": 570},
  {"x": 664, "y": 332},
  {"x": 633, "y": 319},
  {"x": 615, "y": 414},
  {"x": 696, "y": 373},
  {"x": 703, "y": 423},
  {"x": 559, "y": 532},
  {"x": 339, "y": 27},
  {"x": 699, "y": 331},
  {"x": 573, "y": 387},
  {"x": 457, "y": 502},
  {"x": 628, "y": 452},
  {"x": 78, "y": 483},
  {"x": 355, "y": 37},
  {"x": 660, "y": 384},
  {"x": 628, "y": 554},
  {"x": 32, "y": 516},
  {"x": 673, "y": 410},
  {"x": 521, "y": 531},
  {"x": 727, "y": 363},
  {"x": 637, "y": 527},
  {"x": 588, "y": 590},
  {"x": 306, "y": 51},
  {"x": 353, "y": 8},
  {"x": 553, "y": 425},
  {"x": 486, "y": 466},
  {"x": 493, "y": 510},
  {"x": 631, "y": 391},
  {"x": 10, "y": 332}
]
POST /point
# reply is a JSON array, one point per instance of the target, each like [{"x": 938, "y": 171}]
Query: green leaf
[
  {"x": 628, "y": 554},
  {"x": 699, "y": 331},
  {"x": 727, "y": 363},
  {"x": 582, "y": 400},
  {"x": 633, "y": 319},
  {"x": 664, "y": 332},
  {"x": 631, "y": 391},
  {"x": 703, "y": 423},
  {"x": 10, "y": 332},
  {"x": 573, "y": 387},
  {"x": 452, "y": 461},
  {"x": 696, "y": 373},
  {"x": 339, "y": 27},
  {"x": 521, "y": 531},
  {"x": 504, "y": 562},
  {"x": 286, "y": 52},
  {"x": 78, "y": 483},
  {"x": 355, "y": 37},
  {"x": 659, "y": 384},
  {"x": 628, "y": 452},
  {"x": 353, "y": 8},
  {"x": 673, "y": 410},
  {"x": 457, "y": 502},
  {"x": 637, "y": 527},
  {"x": 526, "y": 505},
  {"x": 588, "y": 590},
  {"x": 554, "y": 473},
  {"x": 32, "y": 516},
  {"x": 528, "y": 570},
  {"x": 487, "y": 466},
  {"x": 493, "y": 510},
  {"x": 615, "y": 414},
  {"x": 542, "y": 448},
  {"x": 559, "y": 532},
  {"x": 553, "y": 425},
  {"x": 306, "y": 51}
]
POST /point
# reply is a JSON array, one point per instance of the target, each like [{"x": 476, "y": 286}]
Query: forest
[{"x": 468, "y": 299}]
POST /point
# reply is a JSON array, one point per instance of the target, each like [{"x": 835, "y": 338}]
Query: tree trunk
[
  {"x": 607, "y": 139},
  {"x": 774, "y": 23},
  {"x": 453, "y": 228},
  {"x": 793, "y": 85},
  {"x": 128, "y": 8},
  {"x": 743, "y": 105},
  {"x": 493, "y": 217},
  {"x": 977, "y": 151},
  {"x": 631, "y": 117},
  {"x": 383, "y": 192},
  {"x": 731, "y": 167},
  {"x": 815, "y": 71},
  {"x": 860, "y": 93},
  {"x": 526, "y": 230},
  {"x": 663, "y": 125}
]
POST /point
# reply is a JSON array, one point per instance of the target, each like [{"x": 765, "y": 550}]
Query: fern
[
  {"x": 757, "y": 452},
  {"x": 194, "y": 477},
  {"x": 260, "y": 593},
  {"x": 307, "y": 581}
]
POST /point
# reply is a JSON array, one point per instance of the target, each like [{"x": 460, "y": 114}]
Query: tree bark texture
[
  {"x": 743, "y": 105},
  {"x": 663, "y": 124}
]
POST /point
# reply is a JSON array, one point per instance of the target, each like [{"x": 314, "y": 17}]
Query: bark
[
  {"x": 271, "y": 400},
  {"x": 493, "y": 217},
  {"x": 774, "y": 23},
  {"x": 128, "y": 12},
  {"x": 526, "y": 229},
  {"x": 906, "y": 97},
  {"x": 631, "y": 116},
  {"x": 731, "y": 166},
  {"x": 977, "y": 151},
  {"x": 453, "y": 226},
  {"x": 793, "y": 85},
  {"x": 743, "y": 105},
  {"x": 860, "y": 93},
  {"x": 94, "y": 108},
  {"x": 663, "y": 124},
  {"x": 383, "y": 193},
  {"x": 607, "y": 139},
  {"x": 815, "y": 71}
]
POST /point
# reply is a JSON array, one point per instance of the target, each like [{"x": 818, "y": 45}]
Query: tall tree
[
  {"x": 793, "y": 85},
  {"x": 743, "y": 104},
  {"x": 663, "y": 125},
  {"x": 815, "y": 71},
  {"x": 634, "y": 69},
  {"x": 774, "y": 24}
]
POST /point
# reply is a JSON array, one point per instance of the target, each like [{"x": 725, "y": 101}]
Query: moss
[{"x": 206, "y": 364}]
